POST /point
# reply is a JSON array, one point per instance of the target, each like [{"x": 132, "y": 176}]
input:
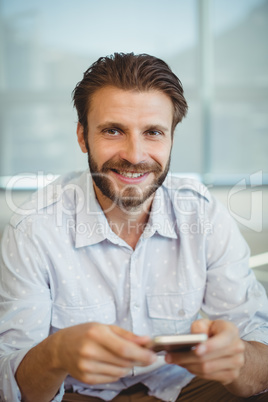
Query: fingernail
[{"x": 201, "y": 349}]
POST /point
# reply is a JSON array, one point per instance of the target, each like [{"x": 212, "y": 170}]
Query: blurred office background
[{"x": 219, "y": 50}]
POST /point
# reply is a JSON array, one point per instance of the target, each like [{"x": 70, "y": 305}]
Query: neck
[{"x": 127, "y": 224}]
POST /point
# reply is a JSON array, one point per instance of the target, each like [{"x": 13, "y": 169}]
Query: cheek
[
  {"x": 162, "y": 154},
  {"x": 107, "y": 153},
  {"x": 101, "y": 151}
]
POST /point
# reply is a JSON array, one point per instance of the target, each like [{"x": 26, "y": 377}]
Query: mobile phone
[{"x": 174, "y": 343}]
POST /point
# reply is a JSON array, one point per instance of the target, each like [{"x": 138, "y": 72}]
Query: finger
[
  {"x": 220, "y": 326},
  {"x": 95, "y": 367},
  {"x": 132, "y": 352},
  {"x": 123, "y": 332},
  {"x": 120, "y": 347},
  {"x": 212, "y": 352},
  {"x": 143, "y": 340},
  {"x": 223, "y": 370},
  {"x": 195, "y": 356},
  {"x": 95, "y": 351},
  {"x": 201, "y": 326},
  {"x": 140, "y": 340},
  {"x": 213, "y": 366},
  {"x": 224, "y": 338},
  {"x": 104, "y": 355},
  {"x": 221, "y": 334}
]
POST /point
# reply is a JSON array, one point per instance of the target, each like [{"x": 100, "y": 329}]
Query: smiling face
[{"x": 128, "y": 143}]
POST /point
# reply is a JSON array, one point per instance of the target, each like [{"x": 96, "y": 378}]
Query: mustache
[{"x": 124, "y": 165}]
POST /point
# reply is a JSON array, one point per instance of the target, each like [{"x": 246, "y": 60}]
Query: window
[
  {"x": 239, "y": 118},
  {"x": 216, "y": 47}
]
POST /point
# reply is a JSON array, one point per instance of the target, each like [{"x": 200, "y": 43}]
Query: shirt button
[
  {"x": 181, "y": 312},
  {"x": 137, "y": 306}
]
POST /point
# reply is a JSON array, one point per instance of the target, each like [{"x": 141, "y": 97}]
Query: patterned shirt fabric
[{"x": 62, "y": 265}]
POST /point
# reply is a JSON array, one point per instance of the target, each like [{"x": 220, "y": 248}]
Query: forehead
[{"x": 113, "y": 103}]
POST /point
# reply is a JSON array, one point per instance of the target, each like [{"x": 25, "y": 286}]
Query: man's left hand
[{"x": 220, "y": 358}]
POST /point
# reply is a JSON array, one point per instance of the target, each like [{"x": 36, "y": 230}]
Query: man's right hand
[
  {"x": 92, "y": 353},
  {"x": 96, "y": 353}
]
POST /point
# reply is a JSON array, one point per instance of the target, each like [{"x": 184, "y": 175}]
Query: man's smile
[
  {"x": 131, "y": 174},
  {"x": 130, "y": 177}
]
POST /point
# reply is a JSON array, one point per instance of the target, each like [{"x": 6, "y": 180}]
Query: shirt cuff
[
  {"x": 58, "y": 397},
  {"x": 9, "y": 390}
]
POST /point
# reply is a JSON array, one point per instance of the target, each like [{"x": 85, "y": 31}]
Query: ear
[{"x": 80, "y": 137}]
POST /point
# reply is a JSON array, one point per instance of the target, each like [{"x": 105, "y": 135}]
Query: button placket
[{"x": 134, "y": 294}]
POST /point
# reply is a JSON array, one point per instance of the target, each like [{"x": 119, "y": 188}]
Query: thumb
[{"x": 201, "y": 326}]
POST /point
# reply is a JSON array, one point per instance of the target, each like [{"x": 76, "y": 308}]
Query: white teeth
[{"x": 131, "y": 175}]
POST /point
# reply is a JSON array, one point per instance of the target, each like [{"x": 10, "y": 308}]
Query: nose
[{"x": 133, "y": 150}]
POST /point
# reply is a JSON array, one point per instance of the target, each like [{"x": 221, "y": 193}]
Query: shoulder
[
  {"x": 192, "y": 202},
  {"x": 52, "y": 198},
  {"x": 186, "y": 189},
  {"x": 190, "y": 197}
]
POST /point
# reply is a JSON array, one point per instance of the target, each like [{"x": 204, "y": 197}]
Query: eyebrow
[
  {"x": 123, "y": 127},
  {"x": 111, "y": 124}
]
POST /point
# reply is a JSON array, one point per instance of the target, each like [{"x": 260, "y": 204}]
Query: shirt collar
[
  {"x": 91, "y": 224},
  {"x": 162, "y": 219}
]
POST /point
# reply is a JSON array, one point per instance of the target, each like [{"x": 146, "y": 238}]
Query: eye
[
  {"x": 154, "y": 133},
  {"x": 112, "y": 131}
]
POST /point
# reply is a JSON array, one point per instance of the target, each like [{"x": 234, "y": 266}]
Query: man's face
[{"x": 128, "y": 143}]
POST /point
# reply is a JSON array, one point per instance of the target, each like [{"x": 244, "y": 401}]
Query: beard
[{"x": 131, "y": 196}]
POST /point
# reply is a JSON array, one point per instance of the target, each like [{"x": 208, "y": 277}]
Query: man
[{"x": 102, "y": 262}]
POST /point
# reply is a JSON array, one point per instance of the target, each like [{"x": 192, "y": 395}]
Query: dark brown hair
[{"x": 128, "y": 71}]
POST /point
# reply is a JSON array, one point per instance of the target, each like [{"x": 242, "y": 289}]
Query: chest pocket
[
  {"x": 173, "y": 313},
  {"x": 63, "y": 316}
]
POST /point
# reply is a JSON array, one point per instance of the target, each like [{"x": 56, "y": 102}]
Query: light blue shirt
[{"x": 62, "y": 265}]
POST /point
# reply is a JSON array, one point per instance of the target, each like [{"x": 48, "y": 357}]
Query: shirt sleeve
[
  {"x": 232, "y": 291},
  {"x": 25, "y": 306}
]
